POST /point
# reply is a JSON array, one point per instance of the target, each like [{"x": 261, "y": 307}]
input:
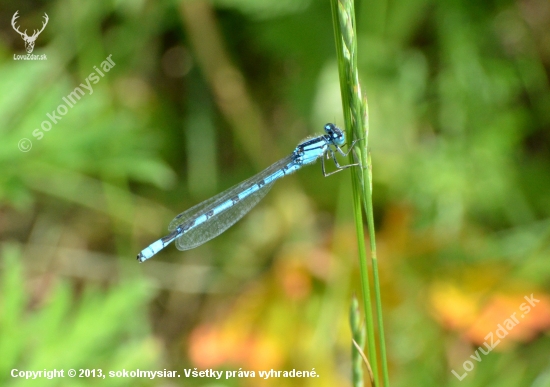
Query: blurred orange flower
[
  {"x": 519, "y": 317},
  {"x": 213, "y": 347}
]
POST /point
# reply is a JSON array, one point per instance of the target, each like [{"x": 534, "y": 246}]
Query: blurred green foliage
[
  {"x": 203, "y": 95},
  {"x": 58, "y": 333}
]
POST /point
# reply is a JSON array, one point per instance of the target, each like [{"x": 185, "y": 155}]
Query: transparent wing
[{"x": 218, "y": 223}]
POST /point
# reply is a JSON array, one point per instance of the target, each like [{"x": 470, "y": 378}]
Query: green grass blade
[{"x": 356, "y": 122}]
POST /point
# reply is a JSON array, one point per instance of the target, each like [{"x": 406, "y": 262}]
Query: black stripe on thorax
[{"x": 305, "y": 144}]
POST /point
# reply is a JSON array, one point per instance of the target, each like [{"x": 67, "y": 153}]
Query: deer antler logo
[{"x": 29, "y": 40}]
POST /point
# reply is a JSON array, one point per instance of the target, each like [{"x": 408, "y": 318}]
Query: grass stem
[{"x": 355, "y": 111}]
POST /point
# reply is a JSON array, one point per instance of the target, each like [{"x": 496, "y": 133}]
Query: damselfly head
[{"x": 336, "y": 134}]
